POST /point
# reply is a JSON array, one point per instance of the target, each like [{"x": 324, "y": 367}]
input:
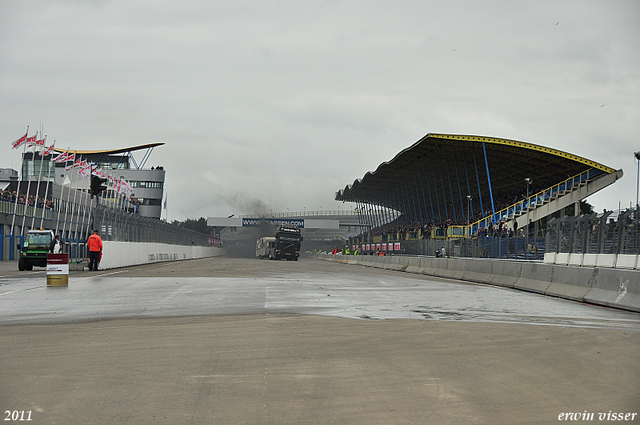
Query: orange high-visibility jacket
[{"x": 95, "y": 243}]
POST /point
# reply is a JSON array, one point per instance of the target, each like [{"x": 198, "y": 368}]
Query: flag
[
  {"x": 61, "y": 157},
  {"x": 31, "y": 141},
  {"x": 20, "y": 141},
  {"x": 47, "y": 151},
  {"x": 165, "y": 201},
  {"x": 85, "y": 171}
]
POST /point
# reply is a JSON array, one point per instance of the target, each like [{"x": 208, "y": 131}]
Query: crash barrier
[
  {"x": 613, "y": 287},
  {"x": 616, "y": 261},
  {"x": 124, "y": 254}
]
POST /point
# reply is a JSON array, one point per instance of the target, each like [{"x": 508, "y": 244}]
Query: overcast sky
[{"x": 276, "y": 105}]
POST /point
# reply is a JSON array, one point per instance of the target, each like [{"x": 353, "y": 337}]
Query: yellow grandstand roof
[
  {"x": 443, "y": 169},
  {"x": 112, "y": 151}
]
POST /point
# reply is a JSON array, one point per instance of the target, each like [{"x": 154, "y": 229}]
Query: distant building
[
  {"x": 147, "y": 183},
  {"x": 7, "y": 175}
]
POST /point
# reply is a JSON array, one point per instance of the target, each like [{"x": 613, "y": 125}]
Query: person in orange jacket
[{"x": 95, "y": 250}]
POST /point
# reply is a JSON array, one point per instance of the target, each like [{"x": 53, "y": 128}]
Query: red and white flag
[
  {"x": 85, "y": 171},
  {"x": 20, "y": 141},
  {"x": 31, "y": 141},
  {"x": 70, "y": 159},
  {"x": 47, "y": 151},
  {"x": 62, "y": 157}
]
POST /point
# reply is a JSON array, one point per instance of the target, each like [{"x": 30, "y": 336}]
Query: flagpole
[
  {"x": 84, "y": 198},
  {"x": 67, "y": 218},
  {"x": 61, "y": 192},
  {"x": 78, "y": 219},
  {"x": 49, "y": 183},
  {"x": 33, "y": 221},
  {"x": 26, "y": 197},
  {"x": 88, "y": 223},
  {"x": 15, "y": 204}
]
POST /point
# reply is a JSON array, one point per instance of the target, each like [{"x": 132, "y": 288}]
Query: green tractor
[{"x": 34, "y": 249}]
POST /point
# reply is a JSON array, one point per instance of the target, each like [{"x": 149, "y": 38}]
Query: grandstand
[{"x": 457, "y": 186}]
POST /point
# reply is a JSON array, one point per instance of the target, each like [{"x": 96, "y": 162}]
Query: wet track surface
[
  {"x": 231, "y": 341},
  {"x": 311, "y": 286}
]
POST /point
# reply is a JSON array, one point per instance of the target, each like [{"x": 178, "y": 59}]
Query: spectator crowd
[{"x": 10, "y": 196}]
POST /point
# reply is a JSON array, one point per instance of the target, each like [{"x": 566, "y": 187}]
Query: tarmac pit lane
[{"x": 359, "y": 295}]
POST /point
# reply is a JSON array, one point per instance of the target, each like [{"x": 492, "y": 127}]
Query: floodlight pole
[
  {"x": 528, "y": 180},
  {"x": 637, "y": 156}
]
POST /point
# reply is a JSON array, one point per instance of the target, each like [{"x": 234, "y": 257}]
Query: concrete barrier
[
  {"x": 478, "y": 270},
  {"x": 398, "y": 263},
  {"x": 456, "y": 267},
  {"x": 626, "y": 261},
  {"x": 606, "y": 260},
  {"x": 618, "y": 261},
  {"x": 604, "y": 286},
  {"x": 426, "y": 264},
  {"x": 437, "y": 267},
  {"x": 448, "y": 268},
  {"x": 589, "y": 260},
  {"x": 570, "y": 282},
  {"x": 124, "y": 254},
  {"x": 415, "y": 264},
  {"x": 562, "y": 258},
  {"x": 575, "y": 260},
  {"x": 615, "y": 288},
  {"x": 505, "y": 273},
  {"x": 535, "y": 277}
]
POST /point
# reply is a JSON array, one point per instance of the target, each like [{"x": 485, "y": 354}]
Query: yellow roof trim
[
  {"x": 524, "y": 145},
  {"x": 111, "y": 151}
]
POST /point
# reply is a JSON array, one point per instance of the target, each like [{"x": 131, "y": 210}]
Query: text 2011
[{"x": 17, "y": 415}]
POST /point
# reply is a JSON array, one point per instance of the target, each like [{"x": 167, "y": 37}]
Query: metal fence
[
  {"x": 517, "y": 248},
  {"x": 123, "y": 226},
  {"x": 612, "y": 232}
]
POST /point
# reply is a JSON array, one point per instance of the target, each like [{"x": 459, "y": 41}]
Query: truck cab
[{"x": 34, "y": 249}]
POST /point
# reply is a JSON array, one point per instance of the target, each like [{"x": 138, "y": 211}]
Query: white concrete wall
[
  {"x": 123, "y": 254},
  {"x": 614, "y": 287},
  {"x": 617, "y": 261}
]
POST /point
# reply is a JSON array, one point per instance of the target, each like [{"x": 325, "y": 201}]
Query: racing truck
[{"x": 286, "y": 244}]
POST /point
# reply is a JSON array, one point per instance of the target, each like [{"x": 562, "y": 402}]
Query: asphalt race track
[{"x": 234, "y": 341}]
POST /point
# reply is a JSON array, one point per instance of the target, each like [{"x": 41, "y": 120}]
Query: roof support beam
[
  {"x": 475, "y": 165},
  {"x": 470, "y": 212},
  {"x": 444, "y": 196},
  {"x": 486, "y": 163}
]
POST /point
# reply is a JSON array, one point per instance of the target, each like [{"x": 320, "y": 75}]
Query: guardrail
[
  {"x": 302, "y": 214},
  {"x": 537, "y": 199},
  {"x": 8, "y": 207}
]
